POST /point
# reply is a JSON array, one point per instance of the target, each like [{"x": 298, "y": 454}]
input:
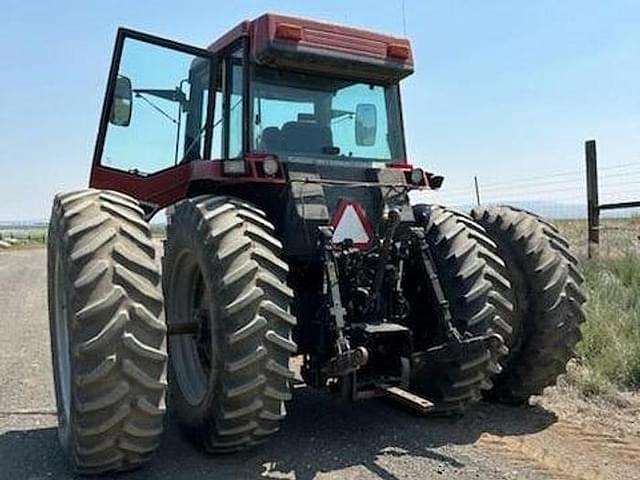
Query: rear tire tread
[
  {"x": 548, "y": 300},
  {"x": 87, "y": 233},
  {"x": 460, "y": 249},
  {"x": 256, "y": 344}
]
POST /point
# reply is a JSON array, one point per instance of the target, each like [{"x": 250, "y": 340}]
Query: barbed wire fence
[{"x": 563, "y": 198}]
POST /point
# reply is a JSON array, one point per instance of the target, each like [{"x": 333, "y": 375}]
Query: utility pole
[{"x": 475, "y": 181}]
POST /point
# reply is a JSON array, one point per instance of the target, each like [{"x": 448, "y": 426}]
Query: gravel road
[{"x": 322, "y": 438}]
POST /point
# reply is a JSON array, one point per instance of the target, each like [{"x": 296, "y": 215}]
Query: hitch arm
[
  {"x": 331, "y": 289},
  {"x": 428, "y": 267},
  {"x": 347, "y": 360}
]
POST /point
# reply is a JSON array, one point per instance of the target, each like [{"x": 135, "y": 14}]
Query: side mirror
[
  {"x": 122, "y": 102},
  {"x": 366, "y": 124}
]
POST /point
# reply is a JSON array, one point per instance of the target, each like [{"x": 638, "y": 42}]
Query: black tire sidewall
[
  {"x": 546, "y": 325},
  {"x": 57, "y": 249},
  {"x": 189, "y": 240}
]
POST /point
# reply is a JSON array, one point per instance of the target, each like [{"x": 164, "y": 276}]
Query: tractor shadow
[{"x": 320, "y": 435}]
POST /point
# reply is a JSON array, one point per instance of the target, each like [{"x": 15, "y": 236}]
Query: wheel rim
[
  {"x": 63, "y": 356},
  {"x": 191, "y": 353}
]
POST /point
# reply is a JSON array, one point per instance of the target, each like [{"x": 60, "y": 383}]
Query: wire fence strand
[{"x": 562, "y": 198}]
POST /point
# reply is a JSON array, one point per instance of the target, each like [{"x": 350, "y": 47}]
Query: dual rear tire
[
  {"x": 107, "y": 331},
  {"x": 508, "y": 271},
  {"x": 543, "y": 327},
  {"x": 222, "y": 272}
]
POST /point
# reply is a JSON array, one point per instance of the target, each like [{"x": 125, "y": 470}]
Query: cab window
[
  {"x": 234, "y": 102},
  {"x": 159, "y": 108},
  {"x": 296, "y": 115}
]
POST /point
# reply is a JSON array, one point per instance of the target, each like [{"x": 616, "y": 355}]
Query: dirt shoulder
[{"x": 596, "y": 438}]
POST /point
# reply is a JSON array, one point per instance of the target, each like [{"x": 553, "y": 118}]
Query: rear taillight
[
  {"x": 398, "y": 50},
  {"x": 289, "y": 31},
  {"x": 416, "y": 177}
]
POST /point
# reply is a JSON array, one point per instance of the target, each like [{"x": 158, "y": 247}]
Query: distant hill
[
  {"x": 556, "y": 210},
  {"x": 23, "y": 224},
  {"x": 565, "y": 211},
  {"x": 551, "y": 209}
]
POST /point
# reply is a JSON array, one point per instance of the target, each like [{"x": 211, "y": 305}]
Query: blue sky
[{"x": 503, "y": 88}]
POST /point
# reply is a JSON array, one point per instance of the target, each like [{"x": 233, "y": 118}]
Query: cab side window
[
  {"x": 228, "y": 115},
  {"x": 159, "y": 108},
  {"x": 234, "y": 102}
]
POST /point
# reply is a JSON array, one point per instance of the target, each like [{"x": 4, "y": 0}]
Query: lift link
[
  {"x": 454, "y": 346},
  {"x": 428, "y": 265},
  {"x": 347, "y": 360}
]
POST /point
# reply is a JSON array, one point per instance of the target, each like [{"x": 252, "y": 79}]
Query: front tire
[
  {"x": 222, "y": 271},
  {"x": 107, "y": 331}
]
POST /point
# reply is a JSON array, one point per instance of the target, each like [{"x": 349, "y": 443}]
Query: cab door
[{"x": 156, "y": 119}]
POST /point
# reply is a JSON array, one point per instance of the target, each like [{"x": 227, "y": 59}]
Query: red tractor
[{"x": 279, "y": 155}]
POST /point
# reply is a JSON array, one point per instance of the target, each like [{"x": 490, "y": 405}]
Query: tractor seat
[
  {"x": 308, "y": 137},
  {"x": 271, "y": 140}
]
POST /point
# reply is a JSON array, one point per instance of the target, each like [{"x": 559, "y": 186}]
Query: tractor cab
[{"x": 272, "y": 97}]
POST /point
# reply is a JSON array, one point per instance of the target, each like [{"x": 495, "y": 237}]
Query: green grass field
[
  {"x": 23, "y": 238},
  {"x": 608, "y": 358},
  {"x": 609, "y": 354}
]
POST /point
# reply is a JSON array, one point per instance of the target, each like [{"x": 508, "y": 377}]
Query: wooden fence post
[{"x": 593, "y": 205}]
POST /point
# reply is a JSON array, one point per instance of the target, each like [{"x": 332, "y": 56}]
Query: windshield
[{"x": 305, "y": 115}]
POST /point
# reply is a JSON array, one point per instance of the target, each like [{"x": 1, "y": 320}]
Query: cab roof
[{"x": 299, "y": 43}]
